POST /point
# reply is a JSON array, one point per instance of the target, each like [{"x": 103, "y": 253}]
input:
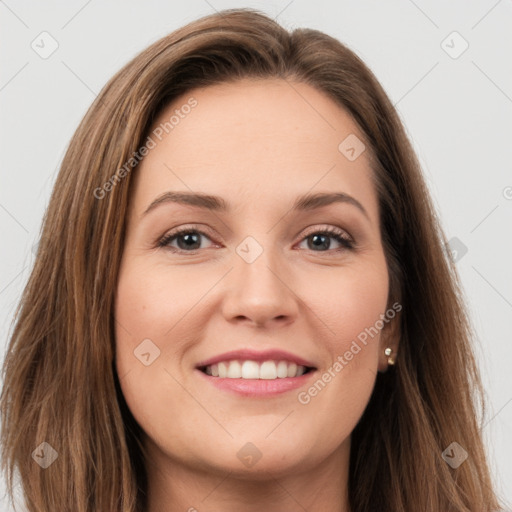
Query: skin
[{"x": 259, "y": 145}]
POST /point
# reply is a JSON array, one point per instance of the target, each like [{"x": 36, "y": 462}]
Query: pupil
[
  {"x": 190, "y": 238},
  {"x": 325, "y": 243}
]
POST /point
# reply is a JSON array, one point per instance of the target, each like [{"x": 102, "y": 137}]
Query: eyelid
[{"x": 332, "y": 230}]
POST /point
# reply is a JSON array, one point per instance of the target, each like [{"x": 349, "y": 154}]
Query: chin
[
  {"x": 271, "y": 465},
  {"x": 252, "y": 457}
]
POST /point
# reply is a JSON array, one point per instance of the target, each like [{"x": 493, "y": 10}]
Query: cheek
[
  {"x": 150, "y": 302},
  {"x": 350, "y": 305},
  {"x": 159, "y": 304},
  {"x": 148, "y": 311}
]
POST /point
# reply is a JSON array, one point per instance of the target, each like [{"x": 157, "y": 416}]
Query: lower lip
[{"x": 258, "y": 387}]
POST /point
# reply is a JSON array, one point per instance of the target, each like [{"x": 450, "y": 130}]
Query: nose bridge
[{"x": 259, "y": 290}]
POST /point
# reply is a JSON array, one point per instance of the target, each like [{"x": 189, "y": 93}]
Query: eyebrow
[{"x": 305, "y": 202}]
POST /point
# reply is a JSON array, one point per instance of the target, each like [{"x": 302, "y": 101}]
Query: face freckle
[{"x": 265, "y": 276}]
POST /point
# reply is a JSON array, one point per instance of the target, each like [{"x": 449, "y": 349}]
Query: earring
[{"x": 388, "y": 352}]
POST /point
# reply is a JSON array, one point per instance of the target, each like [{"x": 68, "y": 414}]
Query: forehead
[{"x": 254, "y": 142}]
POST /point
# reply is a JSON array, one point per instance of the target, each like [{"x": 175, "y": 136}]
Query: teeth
[
  {"x": 250, "y": 370},
  {"x": 234, "y": 370},
  {"x": 267, "y": 370},
  {"x": 282, "y": 369},
  {"x": 223, "y": 370},
  {"x": 292, "y": 370}
]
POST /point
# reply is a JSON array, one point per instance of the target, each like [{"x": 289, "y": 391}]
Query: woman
[{"x": 241, "y": 299}]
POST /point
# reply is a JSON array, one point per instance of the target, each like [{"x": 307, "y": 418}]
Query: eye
[
  {"x": 188, "y": 239},
  {"x": 320, "y": 240}
]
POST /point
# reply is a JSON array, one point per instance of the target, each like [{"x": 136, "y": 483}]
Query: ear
[{"x": 390, "y": 336}]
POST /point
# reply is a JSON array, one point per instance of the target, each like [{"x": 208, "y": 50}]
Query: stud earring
[{"x": 388, "y": 352}]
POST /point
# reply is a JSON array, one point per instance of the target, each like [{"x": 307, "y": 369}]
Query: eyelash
[{"x": 337, "y": 234}]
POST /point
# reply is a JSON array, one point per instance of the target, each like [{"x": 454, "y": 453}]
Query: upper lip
[{"x": 255, "y": 355}]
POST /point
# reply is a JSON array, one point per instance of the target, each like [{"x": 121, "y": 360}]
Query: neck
[{"x": 177, "y": 487}]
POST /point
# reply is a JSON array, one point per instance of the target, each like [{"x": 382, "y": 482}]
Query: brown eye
[
  {"x": 319, "y": 241},
  {"x": 187, "y": 240}
]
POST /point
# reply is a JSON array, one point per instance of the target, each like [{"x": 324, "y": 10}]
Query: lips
[{"x": 256, "y": 374}]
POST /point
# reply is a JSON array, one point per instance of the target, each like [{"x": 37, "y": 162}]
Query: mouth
[
  {"x": 255, "y": 370},
  {"x": 255, "y": 373}
]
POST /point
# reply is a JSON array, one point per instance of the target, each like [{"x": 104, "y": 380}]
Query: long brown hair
[{"x": 60, "y": 382}]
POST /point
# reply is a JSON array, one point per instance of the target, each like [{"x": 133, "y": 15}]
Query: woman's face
[{"x": 256, "y": 275}]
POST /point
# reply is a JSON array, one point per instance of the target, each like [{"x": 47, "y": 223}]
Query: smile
[
  {"x": 255, "y": 373},
  {"x": 247, "y": 369}
]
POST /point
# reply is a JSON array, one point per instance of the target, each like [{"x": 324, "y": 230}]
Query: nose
[{"x": 260, "y": 293}]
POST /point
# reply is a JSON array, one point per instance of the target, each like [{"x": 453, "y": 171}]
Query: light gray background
[{"x": 458, "y": 112}]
